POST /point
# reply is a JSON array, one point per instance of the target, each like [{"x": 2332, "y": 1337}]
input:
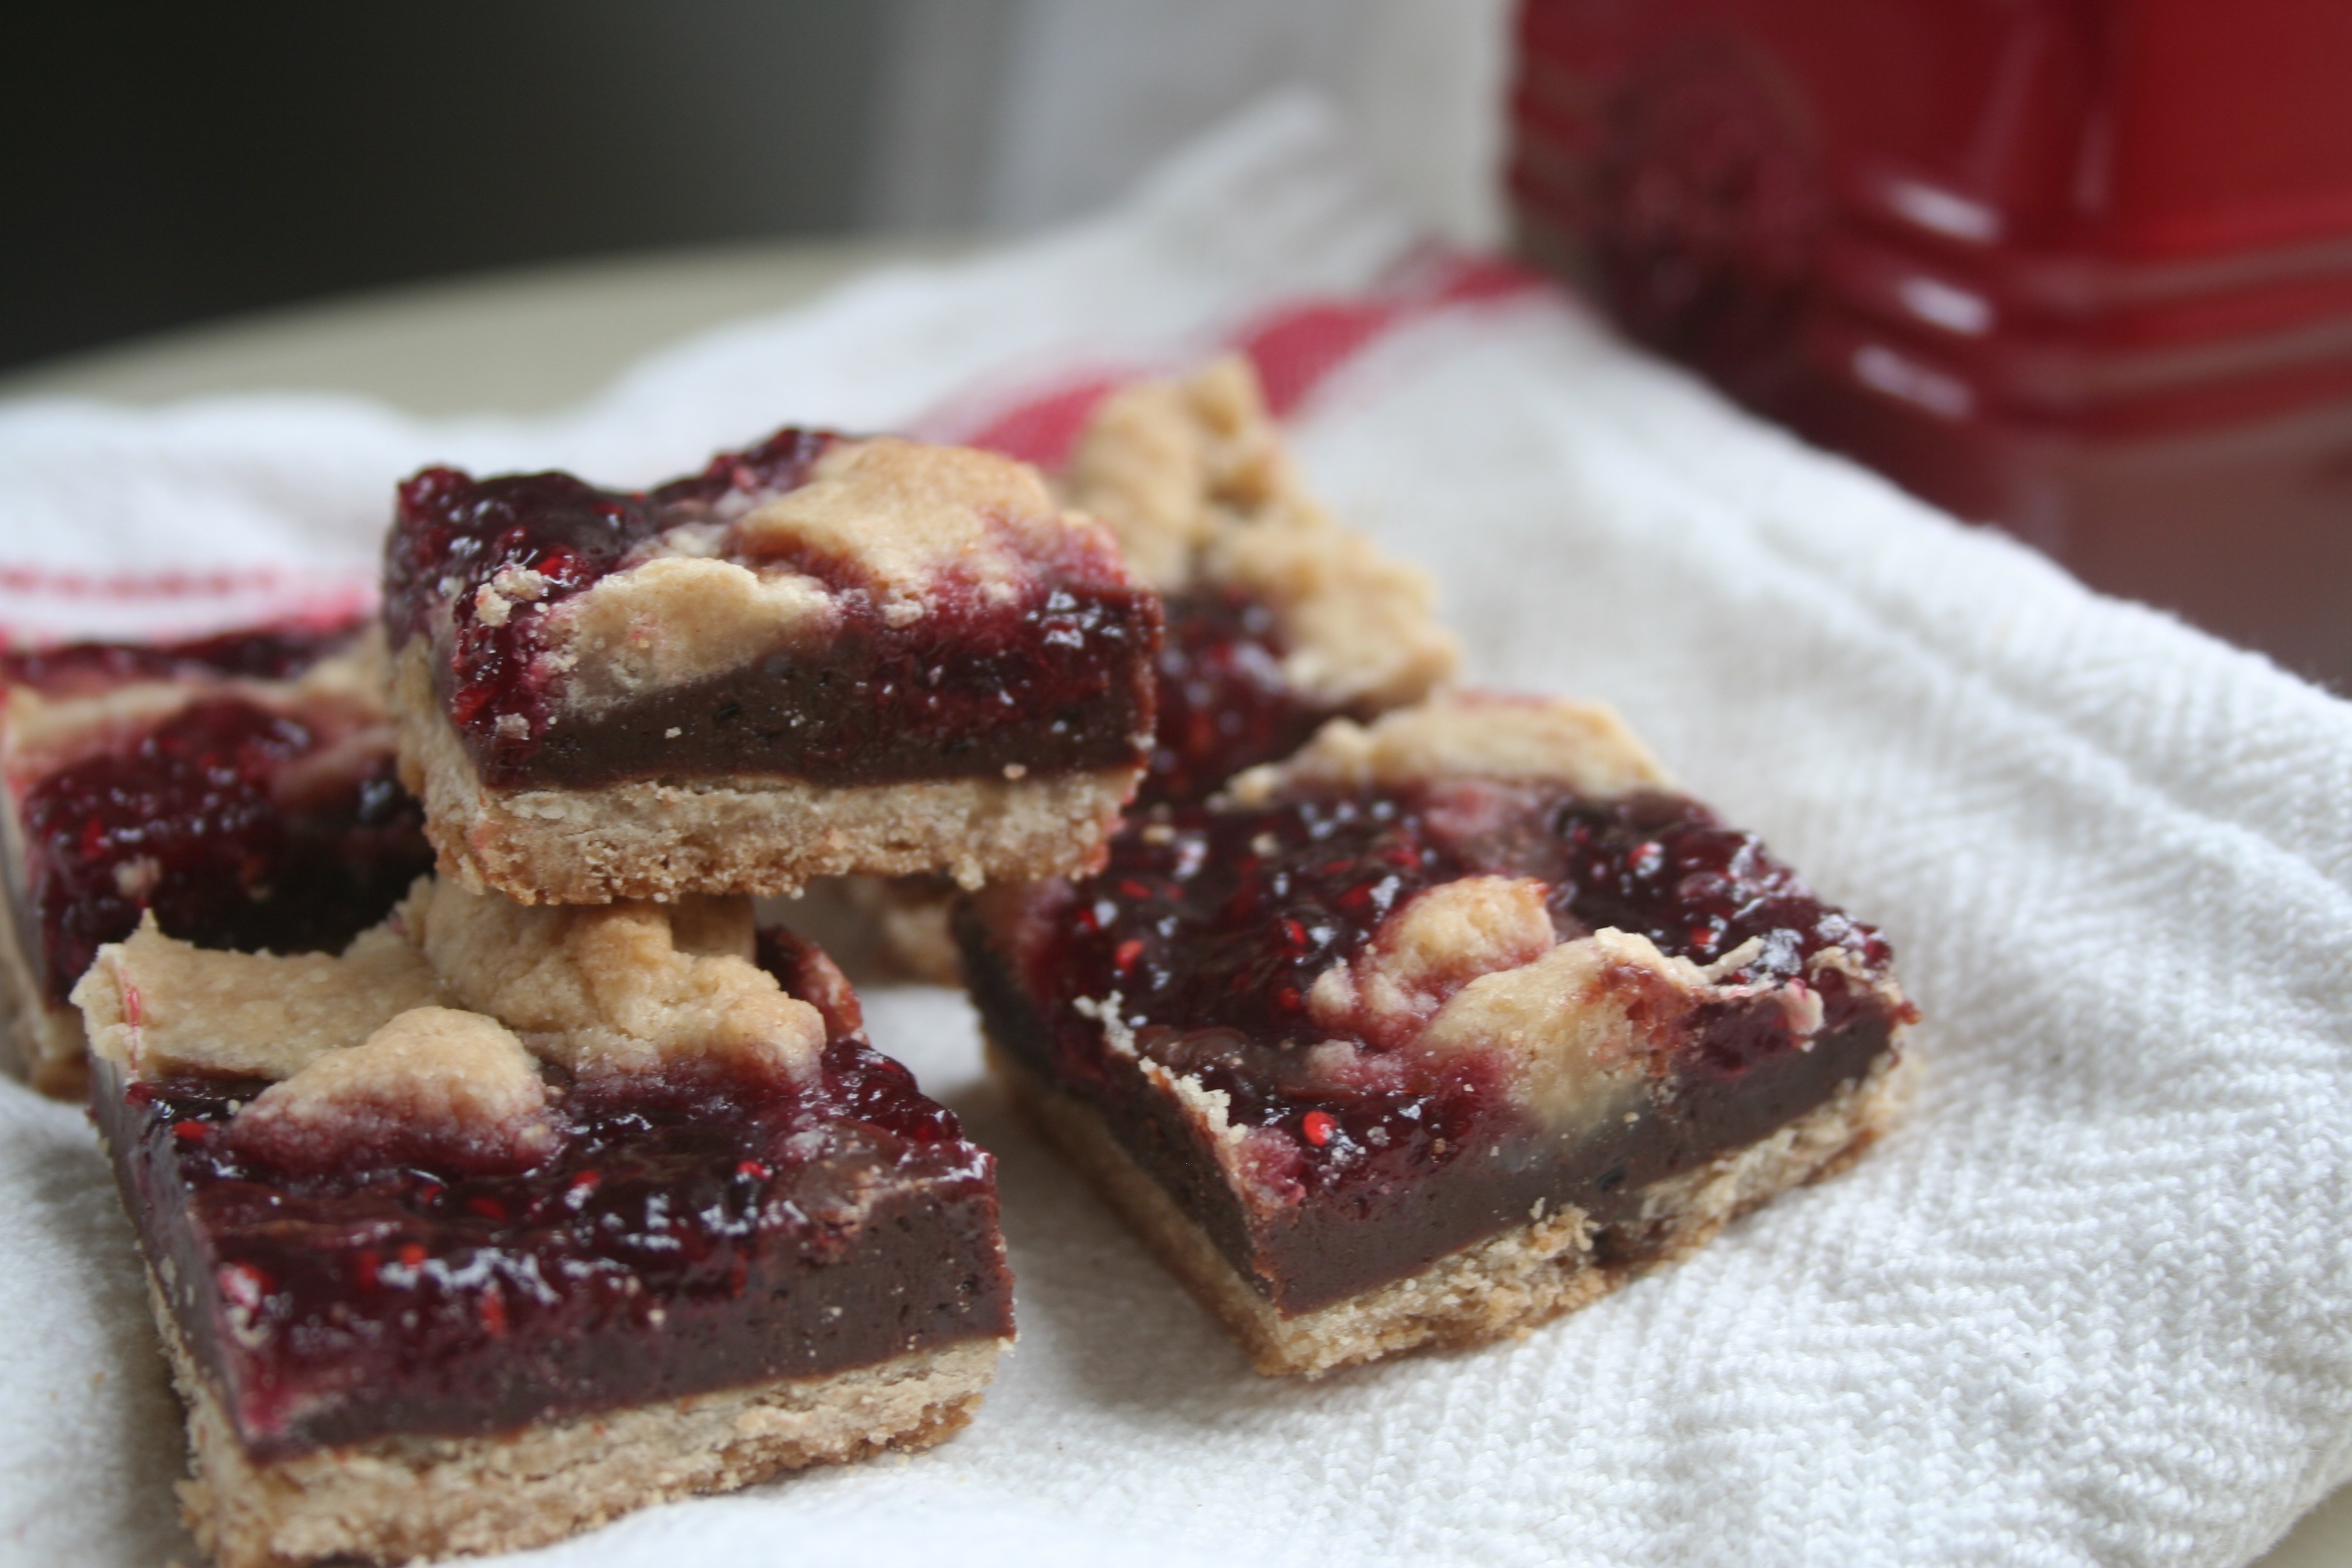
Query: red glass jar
[{"x": 2082, "y": 267}]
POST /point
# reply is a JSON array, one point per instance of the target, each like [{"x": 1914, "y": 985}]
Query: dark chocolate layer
[{"x": 874, "y": 705}]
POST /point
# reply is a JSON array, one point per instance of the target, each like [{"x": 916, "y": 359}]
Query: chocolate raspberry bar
[
  {"x": 240, "y": 787},
  {"x": 1442, "y": 1029},
  {"x": 506, "y": 1220},
  {"x": 1278, "y": 618},
  {"x": 823, "y": 654}
]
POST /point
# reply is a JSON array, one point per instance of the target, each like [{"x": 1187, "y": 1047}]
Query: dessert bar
[
  {"x": 1439, "y": 1029},
  {"x": 1278, "y": 618},
  {"x": 241, "y": 787},
  {"x": 820, "y": 656},
  {"x": 506, "y": 1220}
]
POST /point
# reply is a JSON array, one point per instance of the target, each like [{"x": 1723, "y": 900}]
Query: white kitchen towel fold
[{"x": 2092, "y": 1304}]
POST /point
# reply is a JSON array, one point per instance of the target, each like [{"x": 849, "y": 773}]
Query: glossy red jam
[
  {"x": 1224, "y": 702},
  {"x": 234, "y": 822},
  {"x": 1054, "y": 678},
  {"x": 1667, "y": 867},
  {"x": 694, "y": 1231}
]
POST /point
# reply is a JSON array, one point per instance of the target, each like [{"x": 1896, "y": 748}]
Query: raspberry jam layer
[
  {"x": 1211, "y": 928},
  {"x": 240, "y": 825},
  {"x": 695, "y": 1232},
  {"x": 1055, "y": 678},
  {"x": 1224, "y": 702}
]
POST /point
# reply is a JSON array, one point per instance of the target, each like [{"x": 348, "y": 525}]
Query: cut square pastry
[
  {"x": 241, "y": 787},
  {"x": 823, "y": 655},
  {"x": 1441, "y": 1029},
  {"x": 506, "y": 1220}
]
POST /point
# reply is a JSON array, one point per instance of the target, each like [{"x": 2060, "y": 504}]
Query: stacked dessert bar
[
  {"x": 504, "y": 1220},
  {"x": 482, "y": 1205}
]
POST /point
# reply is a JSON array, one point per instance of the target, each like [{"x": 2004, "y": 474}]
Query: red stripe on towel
[{"x": 1295, "y": 348}]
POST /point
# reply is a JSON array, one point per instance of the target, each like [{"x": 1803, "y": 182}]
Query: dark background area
[{"x": 162, "y": 164}]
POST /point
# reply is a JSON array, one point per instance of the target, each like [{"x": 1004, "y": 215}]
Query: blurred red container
[{"x": 2081, "y": 268}]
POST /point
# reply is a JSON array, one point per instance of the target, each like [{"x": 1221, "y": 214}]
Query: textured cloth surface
[{"x": 2092, "y": 1303}]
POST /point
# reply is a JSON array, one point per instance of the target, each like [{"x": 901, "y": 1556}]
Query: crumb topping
[
  {"x": 1584, "y": 1026},
  {"x": 1192, "y": 477},
  {"x": 614, "y": 986},
  {"x": 1468, "y": 735},
  {"x": 420, "y": 1019},
  {"x": 912, "y": 519},
  {"x": 156, "y": 1005},
  {"x": 675, "y": 618},
  {"x": 1361, "y": 623},
  {"x": 1473, "y": 966},
  {"x": 1168, "y": 463},
  {"x": 434, "y": 1081},
  {"x": 1441, "y": 940}
]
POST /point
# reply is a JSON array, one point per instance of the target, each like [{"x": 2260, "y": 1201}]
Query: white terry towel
[{"x": 2092, "y": 1304}]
